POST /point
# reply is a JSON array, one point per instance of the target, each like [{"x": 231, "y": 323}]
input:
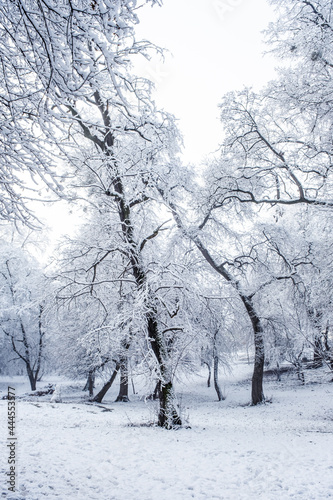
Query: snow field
[{"x": 281, "y": 450}]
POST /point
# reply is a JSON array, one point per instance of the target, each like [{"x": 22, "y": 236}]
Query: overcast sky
[{"x": 216, "y": 46}]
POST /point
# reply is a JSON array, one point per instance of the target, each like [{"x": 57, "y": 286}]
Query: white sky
[{"x": 216, "y": 47}]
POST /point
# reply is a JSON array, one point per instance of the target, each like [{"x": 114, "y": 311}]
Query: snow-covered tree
[
  {"x": 24, "y": 311},
  {"x": 69, "y": 74},
  {"x": 277, "y": 150},
  {"x": 278, "y": 142}
]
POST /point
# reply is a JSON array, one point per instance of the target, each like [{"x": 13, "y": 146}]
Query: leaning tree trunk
[
  {"x": 99, "y": 397},
  {"x": 258, "y": 372}
]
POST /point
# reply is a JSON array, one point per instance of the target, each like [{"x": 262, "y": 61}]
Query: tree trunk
[
  {"x": 259, "y": 353},
  {"x": 325, "y": 338},
  {"x": 99, "y": 397},
  {"x": 168, "y": 416},
  {"x": 300, "y": 373},
  {"x": 317, "y": 352},
  {"x": 209, "y": 373},
  {"x": 278, "y": 372},
  {"x": 32, "y": 378},
  {"x": 157, "y": 391},
  {"x": 90, "y": 384},
  {"x": 123, "y": 387},
  {"x": 328, "y": 350},
  {"x": 216, "y": 379}
]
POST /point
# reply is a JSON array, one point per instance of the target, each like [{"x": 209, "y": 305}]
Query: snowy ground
[{"x": 279, "y": 450}]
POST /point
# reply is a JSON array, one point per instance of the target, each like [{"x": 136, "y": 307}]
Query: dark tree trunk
[
  {"x": 328, "y": 350},
  {"x": 216, "y": 379},
  {"x": 99, "y": 397},
  {"x": 123, "y": 387},
  {"x": 300, "y": 373},
  {"x": 325, "y": 338},
  {"x": 157, "y": 391},
  {"x": 32, "y": 377},
  {"x": 33, "y": 369},
  {"x": 168, "y": 416},
  {"x": 90, "y": 384},
  {"x": 318, "y": 352},
  {"x": 259, "y": 353},
  {"x": 209, "y": 373}
]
